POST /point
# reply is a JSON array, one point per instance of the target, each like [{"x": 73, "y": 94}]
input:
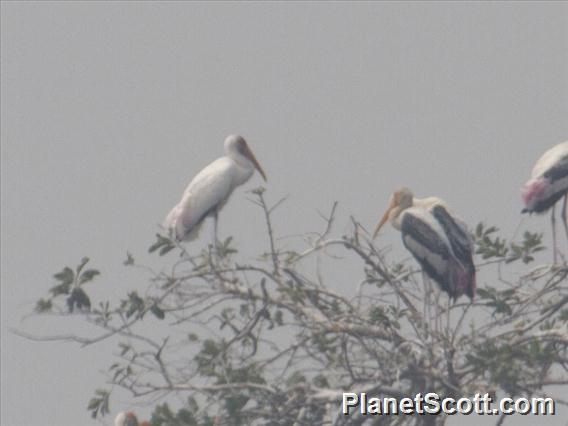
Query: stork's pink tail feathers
[
  {"x": 532, "y": 190},
  {"x": 462, "y": 280}
]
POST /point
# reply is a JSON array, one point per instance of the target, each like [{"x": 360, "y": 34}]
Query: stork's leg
[
  {"x": 427, "y": 305},
  {"x": 448, "y": 306},
  {"x": 425, "y": 316},
  {"x": 437, "y": 311},
  {"x": 565, "y": 214},
  {"x": 554, "y": 245},
  {"x": 215, "y": 222}
]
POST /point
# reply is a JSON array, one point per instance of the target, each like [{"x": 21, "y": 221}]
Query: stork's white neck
[
  {"x": 234, "y": 146},
  {"x": 239, "y": 158},
  {"x": 403, "y": 200},
  {"x": 395, "y": 216}
]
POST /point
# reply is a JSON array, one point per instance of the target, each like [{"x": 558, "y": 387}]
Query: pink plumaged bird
[
  {"x": 210, "y": 189},
  {"x": 440, "y": 242},
  {"x": 547, "y": 185},
  {"x": 126, "y": 418},
  {"x": 549, "y": 180}
]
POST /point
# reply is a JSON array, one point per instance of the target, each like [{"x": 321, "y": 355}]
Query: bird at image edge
[
  {"x": 128, "y": 418},
  {"x": 440, "y": 242},
  {"x": 547, "y": 185},
  {"x": 210, "y": 189}
]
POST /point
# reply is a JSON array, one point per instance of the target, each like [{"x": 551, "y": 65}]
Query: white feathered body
[
  {"x": 549, "y": 159},
  {"x": 549, "y": 180},
  {"x": 207, "y": 192}
]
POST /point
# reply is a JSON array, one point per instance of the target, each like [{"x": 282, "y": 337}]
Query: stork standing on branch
[
  {"x": 211, "y": 188},
  {"x": 439, "y": 241},
  {"x": 547, "y": 185}
]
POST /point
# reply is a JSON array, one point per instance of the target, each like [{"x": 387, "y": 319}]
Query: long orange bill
[
  {"x": 257, "y": 165},
  {"x": 384, "y": 218}
]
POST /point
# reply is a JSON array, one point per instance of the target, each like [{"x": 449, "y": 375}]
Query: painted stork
[
  {"x": 211, "y": 188},
  {"x": 547, "y": 185},
  {"x": 126, "y": 418},
  {"x": 439, "y": 242}
]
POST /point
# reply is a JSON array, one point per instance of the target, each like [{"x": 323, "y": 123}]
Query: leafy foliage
[
  {"x": 185, "y": 416},
  {"x": 268, "y": 341},
  {"x": 499, "y": 300},
  {"x": 525, "y": 251},
  {"x": 134, "y": 305},
  {"x": 70, "y": 283},
  {"x": 99, "y": 404},
  {"x": 490, "y": 246},
  {"x": 163, "y": 244}
]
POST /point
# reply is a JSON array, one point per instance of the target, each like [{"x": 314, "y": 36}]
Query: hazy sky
[{"x": 108, "y": 110}]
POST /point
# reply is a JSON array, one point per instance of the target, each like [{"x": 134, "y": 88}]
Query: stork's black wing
[
  {"x": 459, "y": 239},
  {"x": 427, "y": 247},
  {"x": 558, "y": 171}
]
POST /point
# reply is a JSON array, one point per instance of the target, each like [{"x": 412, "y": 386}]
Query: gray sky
[{"x": 108, "y": 110}]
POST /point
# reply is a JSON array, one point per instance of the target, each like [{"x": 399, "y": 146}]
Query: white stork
[
  {"x": 549, "y": 183},
  {"x": 211, "y": 188},
  {"x": 440, "y": 242},
  {"x": 126, "y": 418}
]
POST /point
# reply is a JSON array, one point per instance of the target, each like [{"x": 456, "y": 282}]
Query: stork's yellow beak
[
  {"x": 392, "y": 205},
  {"x": 252, "y": 158}
]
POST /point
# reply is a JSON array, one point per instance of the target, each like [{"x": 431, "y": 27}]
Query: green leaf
[
  {"x": 66, "y": 276},
  {"x": 129, "y": 259},
  {"x": 88, "y": 275},
  {"x": 162, "y": 243},
  {"x": 479, "y": 229},
  {"x": 165, "y": 249},
  {"x": 483, "y": 294},
  {"x": 79, "y": 299},
  {"x": 295, "y": 379},
  {"x": 164, "y": 416},
  {"x": 63, "y": 288},
  {"x": 321, "y": 381},
  {"x": 135, "y": 305},
  {"x": 157, "y": 311},
  {"x": 83, "y": 262},
  {"x": 43, "y": 305},
  {"x": 99, "y": 404},
  {"x": 124, "y": 348}
]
